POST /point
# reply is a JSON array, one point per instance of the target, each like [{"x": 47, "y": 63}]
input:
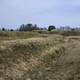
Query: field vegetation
[{"x": 39, "y": 55}]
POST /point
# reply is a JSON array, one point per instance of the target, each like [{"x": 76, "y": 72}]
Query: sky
[{"x": 13, "y": 13}]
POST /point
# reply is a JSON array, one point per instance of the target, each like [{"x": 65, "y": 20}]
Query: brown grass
[{"x": 41, "y": 58}]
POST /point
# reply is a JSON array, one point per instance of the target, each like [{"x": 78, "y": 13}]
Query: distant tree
[
  {"x": 11, "y": 30},
  {"x": 28, "y": 27},
  {"x": 22, "y": 27},
  {"x": 3, "y": 29},
  {"x": 35, "y": 27},
  {"x": 51, "y": 27},
  {"x": 67, "y": 28},
  {"x": 73, "y": 29},
  {"x": 43, "y": 28}
]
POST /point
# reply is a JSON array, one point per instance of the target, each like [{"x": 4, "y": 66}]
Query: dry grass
[{"x": 53, "y": 57}]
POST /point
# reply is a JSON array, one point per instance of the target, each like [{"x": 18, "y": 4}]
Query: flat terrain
[{"x": 35, "y": 56}]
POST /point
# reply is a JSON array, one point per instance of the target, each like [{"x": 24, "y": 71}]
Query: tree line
[
  {"x": 30, "y": 27},
  {"x": 33, "y": 27}
]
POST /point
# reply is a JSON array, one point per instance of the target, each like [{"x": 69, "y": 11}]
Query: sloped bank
[{"x": 49, "y": 58}]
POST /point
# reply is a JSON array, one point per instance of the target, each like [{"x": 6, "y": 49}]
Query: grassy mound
[{"x": 40, "y": 58}]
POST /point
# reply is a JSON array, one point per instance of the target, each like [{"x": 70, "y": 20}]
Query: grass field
[{"x": 35, "y": 56}]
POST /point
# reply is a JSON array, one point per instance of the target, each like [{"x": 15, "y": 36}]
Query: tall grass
[
  {"x": 17, "y": 35},
  {"x": 39, "y": 58}
]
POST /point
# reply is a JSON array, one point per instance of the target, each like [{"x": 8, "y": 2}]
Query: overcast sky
[{"x": 42, "y": 12}]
